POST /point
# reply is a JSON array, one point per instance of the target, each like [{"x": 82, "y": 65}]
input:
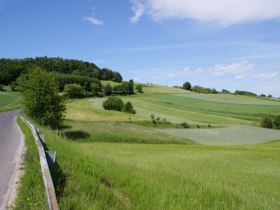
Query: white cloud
[
  {"x": 221, "y": 12},
  {"x": 138, "y": 9},
  {"x": 93, "y": 20},
  {"x": 239, "y": 69},
  {"x": 266, "y": 75}
]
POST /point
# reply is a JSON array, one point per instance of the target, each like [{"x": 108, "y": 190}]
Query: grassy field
[
  {"x": 234, "y": 99},
  {"x": 234, "y": 135},
  {"x": 145, "y": 176},
  {"x": 115, "y": 160},
  {"x": 10, "y": 100},
  {"x": 184, "y": 108}
]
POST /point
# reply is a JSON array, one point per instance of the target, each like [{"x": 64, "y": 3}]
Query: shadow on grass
[{"x": 75, "y": 135}]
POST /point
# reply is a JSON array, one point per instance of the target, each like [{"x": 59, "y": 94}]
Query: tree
[
  {"x": 129, "y": 108},
  {"x": 74, "y": 91},
  {"x": 187, "y": 86},
  {"x": 107, "y": 89},
  {"x": 139, "y": 88},
  {"x": 41, "y": 98},
  {"x": 113, "y": 103},
  {"x": 131, "y": 87}
]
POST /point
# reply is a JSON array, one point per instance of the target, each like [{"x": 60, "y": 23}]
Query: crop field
[{"x": 10, "y": 100}]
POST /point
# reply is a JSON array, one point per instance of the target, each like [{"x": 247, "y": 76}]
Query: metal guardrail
[{"x": 50, "y": 192}]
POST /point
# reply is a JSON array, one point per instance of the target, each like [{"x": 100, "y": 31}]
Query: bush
[
  {"x": 1, "y": 87},
  {"x": 74, "y": 91},
  {"x": 129, "y": 108},
  {"x": 276, "y": 122},
  {"x": 139, "y": 88},
  {"x": 113, "y": 103},
  {"x": 185, "y": 125},
  {"x": 267, "y": 122}
]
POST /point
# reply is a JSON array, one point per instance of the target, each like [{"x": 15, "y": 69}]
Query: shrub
[
  {"x": 74, "y": 91},
  {"x": 276, "y": 122},
  {"x": 129, "y": 108},
  {"x": 139, "y": 88},
  {"x": 113, "y": 103},
  {"x": 266, "y": 123},
  {"x": 1, "y": 87},
  {"x": 185, "y": 125}
]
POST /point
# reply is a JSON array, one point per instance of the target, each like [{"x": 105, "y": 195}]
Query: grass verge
[{"x": 31, "y": 194}]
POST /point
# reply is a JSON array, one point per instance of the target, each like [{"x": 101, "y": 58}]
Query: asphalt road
[{"x": 11, "y": 146}]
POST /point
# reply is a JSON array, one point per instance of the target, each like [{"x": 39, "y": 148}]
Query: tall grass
[{"x": 140, "y": 176}]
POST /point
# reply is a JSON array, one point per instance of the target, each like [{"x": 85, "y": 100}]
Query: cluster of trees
[
  {"x": 200, "y": 89},
  {"x": 84, "y": 81},
  {"x": 125, "y": 88},
  {"x": 10, "y": 69},
  {"x": 272, "y": 122},
  {"x": 244, "y": 93},
  {"x": 117, "y": 104}
]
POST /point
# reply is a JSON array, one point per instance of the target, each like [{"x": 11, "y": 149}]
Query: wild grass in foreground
[
  {"x": 148, "y": 176},
  {"x": 31, "y": 194}
]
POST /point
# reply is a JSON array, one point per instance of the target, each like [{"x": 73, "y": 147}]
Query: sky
[{"x": 222, "y": 44}]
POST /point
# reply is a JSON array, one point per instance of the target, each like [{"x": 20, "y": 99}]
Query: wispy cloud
[
  {"x": 138, "y": 10},
  {"x": 93, "y": 20},
  {"x": 266, "y": 75},
  {"x": 239, "y": 69},
  {"x": 220, "y": 12}
]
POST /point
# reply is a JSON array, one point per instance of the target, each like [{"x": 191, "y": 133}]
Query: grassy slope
[
  {"x": 139, "y": 176},
  {"x": 152, "y": 176},
  {"x": 10, "y": 100},
  {"x": 183, "y": 107}
]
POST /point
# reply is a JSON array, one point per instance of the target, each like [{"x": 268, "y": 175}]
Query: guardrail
[{"x": 50, "y": 192}]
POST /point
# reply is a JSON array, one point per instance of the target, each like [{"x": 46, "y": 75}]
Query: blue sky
[{"x": 221, "y": 44}]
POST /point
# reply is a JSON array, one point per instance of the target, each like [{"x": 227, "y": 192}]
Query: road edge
[{"x": 18, "y": 172}]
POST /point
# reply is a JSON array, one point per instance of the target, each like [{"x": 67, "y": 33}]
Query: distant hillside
[{"x": 10, "y": 69}]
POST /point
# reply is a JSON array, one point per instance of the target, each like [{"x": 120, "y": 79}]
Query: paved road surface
[{"x": 11, "y": 145}]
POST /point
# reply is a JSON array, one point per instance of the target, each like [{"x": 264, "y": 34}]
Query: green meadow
[
  {"x": 10, "y": 100},
  {"x": 115, "y": 160}
]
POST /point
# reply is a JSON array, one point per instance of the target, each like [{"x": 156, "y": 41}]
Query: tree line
[
  {"x": 200, "y": 89},
  {"x": 11, "y": 69}
]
